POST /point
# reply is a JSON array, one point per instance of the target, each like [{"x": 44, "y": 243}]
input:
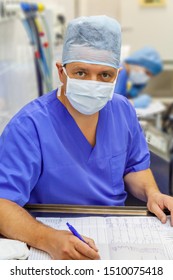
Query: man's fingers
[
  {"x": 86, "y": 250},
  {"x": 159, "y": 213},
  {"x": 91, "y": 243},
  {"x": 169, "y": 205}
]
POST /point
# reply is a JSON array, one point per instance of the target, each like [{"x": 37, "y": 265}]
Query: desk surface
[
  {"x": 116, "y": 235},
  {"x": 89, "y": 210},
  {"x": 165, "y": 100}
]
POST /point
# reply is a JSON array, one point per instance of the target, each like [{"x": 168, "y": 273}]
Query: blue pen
[{"x": 74, "y": 231}]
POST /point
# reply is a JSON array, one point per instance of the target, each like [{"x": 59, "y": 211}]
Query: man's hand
[
  {"x": 59, "y": 244},
  {"x": 142, "y": 185},
  {"x": 64, "y": 245},
  {"x": 157, "y": 202}
]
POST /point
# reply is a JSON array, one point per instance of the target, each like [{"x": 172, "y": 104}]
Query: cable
[{"x": 41, "y": 49}]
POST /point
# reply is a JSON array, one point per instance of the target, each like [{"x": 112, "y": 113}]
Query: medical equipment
[
  {"x": 161, "y": 148},
  {"x": 161, "y": 153},
  {"x": 35, "y": 24},
  {"x": 167, "y": 120}
]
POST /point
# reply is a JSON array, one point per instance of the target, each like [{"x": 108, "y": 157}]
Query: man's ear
[
  {"x": 60, "y": 71},
  {"x": 119, "y": 70}
]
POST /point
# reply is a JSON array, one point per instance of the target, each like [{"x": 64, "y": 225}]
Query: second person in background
[{"x": 137, "y": 70}]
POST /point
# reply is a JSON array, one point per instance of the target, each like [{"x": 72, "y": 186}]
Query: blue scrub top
[{"x": 45, "y": 158}]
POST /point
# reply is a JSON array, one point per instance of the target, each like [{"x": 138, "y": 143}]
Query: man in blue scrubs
[{"x": 80, "y": 144}]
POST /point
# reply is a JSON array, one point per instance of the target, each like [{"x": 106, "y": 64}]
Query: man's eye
[
  {"x": 80, "y": 74},
  {"x": 105, "y": 75}
]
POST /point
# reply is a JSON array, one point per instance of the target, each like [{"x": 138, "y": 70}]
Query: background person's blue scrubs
[
  {"x": 121, "y": 83},
  {"x": 45, "y": 158},
  {"x": 121, "y": 86}
]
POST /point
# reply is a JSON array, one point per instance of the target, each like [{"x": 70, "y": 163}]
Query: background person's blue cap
[
  {"x": 94, "y": 39},
  {"x": 146, "y": 57}
]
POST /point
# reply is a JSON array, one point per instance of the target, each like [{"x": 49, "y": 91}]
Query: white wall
[
  {"x": 148, "y": 26},
  {"x": 99, "y": 7}
]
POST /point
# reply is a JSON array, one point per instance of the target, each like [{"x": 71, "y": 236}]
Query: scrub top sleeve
[
  {"x": 20, "y": 162},
  {"x": 138, "y": 156}
]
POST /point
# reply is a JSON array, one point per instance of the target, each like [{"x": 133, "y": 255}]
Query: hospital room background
[{"x": 31, "y": 37}]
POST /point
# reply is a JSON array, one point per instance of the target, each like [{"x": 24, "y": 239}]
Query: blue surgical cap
[
  {"x": 94, "y": 39},
  {"x": 147, "y": 57}
]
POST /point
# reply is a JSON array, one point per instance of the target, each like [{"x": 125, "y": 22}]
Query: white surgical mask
[
  {"x": 138, "y": 77},
  {"x": 88, "y": 96}
]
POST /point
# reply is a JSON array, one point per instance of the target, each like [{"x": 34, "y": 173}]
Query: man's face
[
  {"x": 86, "y": 71},
  {"x": 79, "y": 97}
]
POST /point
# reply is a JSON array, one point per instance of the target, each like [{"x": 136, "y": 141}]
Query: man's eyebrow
[
  {"x": 110, "y": 71},
  {"x": 79, "y": 68}
]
